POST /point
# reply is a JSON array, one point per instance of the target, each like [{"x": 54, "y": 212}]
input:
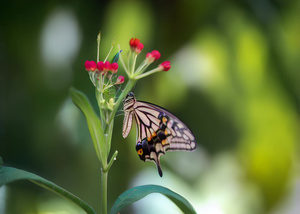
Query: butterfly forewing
[
  {"x": 128, "y": 111},
  {"x": 127, "y": 124},
  {"x": 158, "y": 130}
]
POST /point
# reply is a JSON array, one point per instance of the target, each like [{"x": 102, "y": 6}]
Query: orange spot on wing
[
  {"x": 140, "y": 152},
  {"x": 164, "y": 119},
  {"x": 164, "y": 142}
]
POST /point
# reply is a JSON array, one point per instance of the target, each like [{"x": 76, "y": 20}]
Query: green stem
[
  {"x": 112, "y": 159},
  {"x": 112, "y": 46},
  {"x": 142, "y": 68},
  {"x": 124, "y": 66},
  {"x": 147, "y": 73},
  {"x": 133, "y": 63},
  {"x": 104, "y": 171},
  {"x": 108, "y": 133},
  {"x": 100, "y": 104},
  {"x": 108, "y": 128},
  {"x": 104, "y": 175},
  {"x": 98, "y": 46}
]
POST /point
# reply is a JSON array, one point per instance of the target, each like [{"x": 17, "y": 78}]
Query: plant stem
[
  {"x": 133, "y": 64},
  {"x": 98, "y": 46},
  {"x": 147, "y": 73},
  {"x": 108, "y": 128},
  {"x": 112, "y": 159},
  {"x": 124, "y": 66},
  {"x": 108, "y": 132},
  {"x": 104, "y": 175}
]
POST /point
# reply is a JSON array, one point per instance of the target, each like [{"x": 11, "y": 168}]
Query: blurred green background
[{"x": 234, "y": 81}]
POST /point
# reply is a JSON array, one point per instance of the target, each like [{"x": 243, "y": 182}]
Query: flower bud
[
  {"x": 139, "y": 48},
  {"x": 165, "y": 66},
  {"x": 120, "y": 80},
  {"x": 151, "y": 57},
  {"x": 135, "y": 45},
  {"x": 111, "y": 104}
]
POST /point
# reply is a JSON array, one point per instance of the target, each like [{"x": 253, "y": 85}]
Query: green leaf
[
  {"x": 116, "y": 57},
  {"x": 9, "y": 174},
  {"x": 132, "y": 195},
  {"x": 94, "y": 123}
]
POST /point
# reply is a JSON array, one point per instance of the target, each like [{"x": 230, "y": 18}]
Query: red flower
[
  {"x": 139, "y": 48},
  {"x": 154, "y": 55},
  {"x": 120, "y": 80},
  {"x": 114, "y": 67},
  {"x": 107, "y": 66},
  {"x": 90, "y": 65},
  {"x": 100, "y": 66},
  {"x": 134, "y": 42},
  {"x": 165, "y": 66},
  {"x": 135, "y": 45}
]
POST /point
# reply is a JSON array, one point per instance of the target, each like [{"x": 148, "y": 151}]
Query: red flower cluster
[
  {"x": 95, "y": 69},
  {"x": 106, "y": 66},
  {"x": 101, "y": 66},
  {"x": 136, "y": 45}
]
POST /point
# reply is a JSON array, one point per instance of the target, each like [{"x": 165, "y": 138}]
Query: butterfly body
[{"x": 158, "y": 130}]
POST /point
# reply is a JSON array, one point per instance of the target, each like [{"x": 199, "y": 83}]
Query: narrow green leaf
[
  {"x": 9, "y": 174},
  {"x": 94, "y": 123},
  {"x": 132, "y": 195},
  {"x": 116, "y": 57}
]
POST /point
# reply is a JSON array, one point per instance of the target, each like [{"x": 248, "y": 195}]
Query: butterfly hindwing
[
  {"x": 179, "y": 136},
  {"x": 158, "y": 130}
]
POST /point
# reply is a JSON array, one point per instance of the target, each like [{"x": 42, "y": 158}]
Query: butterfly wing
[
  {"x": 128, "y": 108},
  {"x": 149, "y": 119},
  {"x": 160, "y": 131},
  {"x": 127, "y": 123}
]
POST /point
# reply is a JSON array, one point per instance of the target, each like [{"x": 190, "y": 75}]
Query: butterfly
[{"x": 158, "y": 130}]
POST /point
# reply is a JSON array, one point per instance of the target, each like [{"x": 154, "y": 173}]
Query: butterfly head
[
  {"x": 128, "y": 101},
  {"x": 129, "y": 96}
]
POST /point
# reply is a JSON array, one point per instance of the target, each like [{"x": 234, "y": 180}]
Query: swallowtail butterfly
[{"x": 158, "y": 130}]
